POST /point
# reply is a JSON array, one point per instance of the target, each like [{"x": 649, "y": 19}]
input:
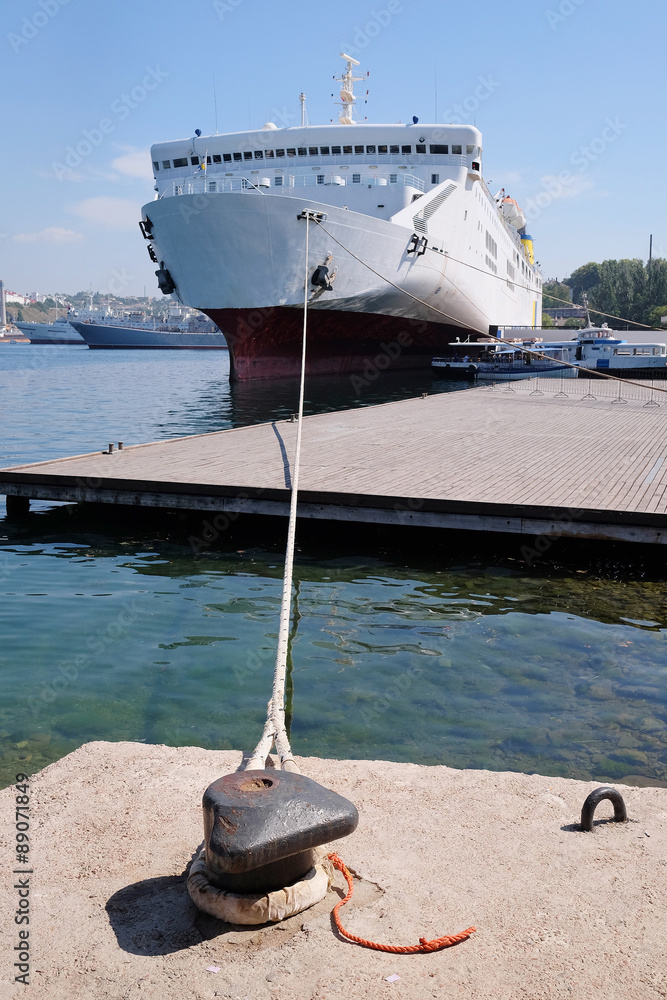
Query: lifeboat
[{"x": 512, "y": 213}]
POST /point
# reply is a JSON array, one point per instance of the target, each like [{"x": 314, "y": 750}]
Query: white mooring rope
[{"x": 274, "y": 728}]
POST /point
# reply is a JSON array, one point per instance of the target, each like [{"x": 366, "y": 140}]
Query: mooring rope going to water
[{"x": 274, "y": 728}]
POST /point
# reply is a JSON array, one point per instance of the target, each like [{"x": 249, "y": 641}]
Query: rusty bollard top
[{"x": 255, "y": 818}]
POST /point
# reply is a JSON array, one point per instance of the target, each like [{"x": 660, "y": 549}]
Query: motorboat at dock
[{"x": 497, "y": 360}]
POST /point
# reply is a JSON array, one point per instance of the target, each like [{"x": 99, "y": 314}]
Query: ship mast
[{"x": 347, "y": 97}]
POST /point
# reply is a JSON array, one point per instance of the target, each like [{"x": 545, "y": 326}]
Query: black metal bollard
[{"x": 260, "y": 828}]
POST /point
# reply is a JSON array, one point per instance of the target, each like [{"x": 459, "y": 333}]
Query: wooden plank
[{"x": 484, "y": 453}]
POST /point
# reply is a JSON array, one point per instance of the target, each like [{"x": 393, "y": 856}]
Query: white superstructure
[{"x": 395, "y": 205}]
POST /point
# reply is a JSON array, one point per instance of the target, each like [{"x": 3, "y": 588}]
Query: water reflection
[{"x": 435, "y": 654}]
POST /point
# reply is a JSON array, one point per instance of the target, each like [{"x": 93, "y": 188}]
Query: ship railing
[{"x": 287, "y": 182}]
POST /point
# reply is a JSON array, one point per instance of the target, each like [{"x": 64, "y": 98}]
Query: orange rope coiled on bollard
[{"x": 413, "y": 949}]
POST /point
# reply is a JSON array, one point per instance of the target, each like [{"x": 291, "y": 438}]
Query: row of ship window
[{"x": 270, "y": 154}]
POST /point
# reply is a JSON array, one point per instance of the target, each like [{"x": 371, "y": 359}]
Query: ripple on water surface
[{"x": 113, "y": 629}]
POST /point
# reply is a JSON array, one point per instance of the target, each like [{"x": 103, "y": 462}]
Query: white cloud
[
  {"x": 108, "y": 213},
  {"x": 134, "y": 163},
  {"x": 53, "y": 234},
  {"x": 74, "y": 176},
  {"x": 576, "y": 185}
]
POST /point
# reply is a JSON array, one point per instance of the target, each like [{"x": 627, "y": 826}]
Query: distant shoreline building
[{"x": 563, "y": 313}]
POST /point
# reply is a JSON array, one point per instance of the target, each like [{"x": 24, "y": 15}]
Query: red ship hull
[{"x": 266, "y": 343}]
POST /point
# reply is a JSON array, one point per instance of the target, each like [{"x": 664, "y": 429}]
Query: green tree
[
  {"x": 655, "y": 317},
  {"x": 574, "y": 324},
  {"x": 557, "y": 289},
  {"x": 584, "y": 278},
  {"x": 547, "y": 321}
]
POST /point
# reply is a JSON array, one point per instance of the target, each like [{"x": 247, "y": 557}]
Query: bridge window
[
  {"x": 394, "y": 150},
  {"x": 313, "y": 150},
  {"x": 165, "y": 164},
  {"x": 217, "y": 158},
  {"x": 194, "y": 160},
  {"x": 335, "y": 150},
  {"x": 382, "y": 149},
  {"x": 302, "y": 151},
  {"x": 470, "y": 149},
  {"x": 226, "y": 157},
  {"x": 268, "y": 154},
  {"x": 280, "y": 152},
  {"x": 456, "y": 150},
  {"x": 370, "y": 149},
  {"x": 291, "y": 152},
  {"x": 259, "y": 155},
  {"x": 347, "y": 150},
  {"x": 439, "y": 149},
  {"x": 358, "y": 150},
  {"x": 237, "y": 156},
  {"x": 420, "y": 147},
  {"x": 182, "y": 161},
  {"x": 324, "y": 150},
  {"x": 406, "y": 149}
]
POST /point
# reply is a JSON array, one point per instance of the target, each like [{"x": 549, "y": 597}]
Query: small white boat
[
  {"x": 598, "y": 348},
  {"x": 59, "y": 332},
  {"x": 506, "y": 361}
]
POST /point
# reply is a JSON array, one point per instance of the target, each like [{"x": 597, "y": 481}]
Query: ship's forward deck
[{"x": 486, "y": 459}]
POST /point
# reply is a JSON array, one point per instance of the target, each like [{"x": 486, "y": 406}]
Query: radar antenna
[{"x": 347, "y": 98}]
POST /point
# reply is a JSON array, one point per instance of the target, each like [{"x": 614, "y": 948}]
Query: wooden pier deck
[{"x": 495, "y": 459}]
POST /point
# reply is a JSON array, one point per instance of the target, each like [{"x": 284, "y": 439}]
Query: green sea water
[{"x": 407, "y": 645}]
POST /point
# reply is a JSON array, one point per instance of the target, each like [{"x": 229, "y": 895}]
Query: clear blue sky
[{"x": 556, "y": 74}]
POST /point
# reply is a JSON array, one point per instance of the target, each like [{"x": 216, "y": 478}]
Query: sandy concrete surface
[{"x": 559, "y": 913}]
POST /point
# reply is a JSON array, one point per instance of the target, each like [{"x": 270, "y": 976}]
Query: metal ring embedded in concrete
[
  {"x": 593, "y": 800},
  {"x": 256, "y": 908}
]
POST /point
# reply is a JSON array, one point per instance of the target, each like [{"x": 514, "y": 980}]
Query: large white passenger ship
[{"x": 391, "y": 209}]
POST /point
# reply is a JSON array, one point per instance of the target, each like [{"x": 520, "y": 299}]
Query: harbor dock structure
[{"x": 522, "y": 458}]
